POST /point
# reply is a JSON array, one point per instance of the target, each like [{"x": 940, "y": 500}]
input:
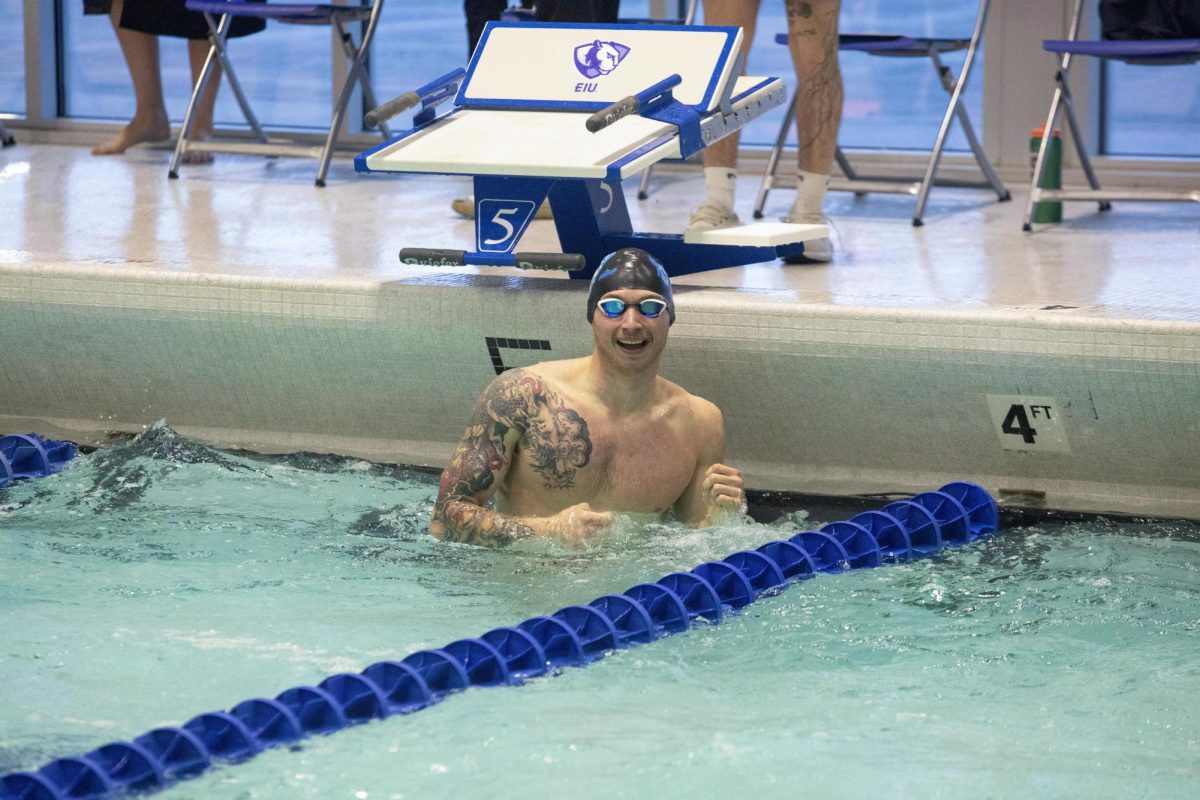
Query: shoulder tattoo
[{"x": 554, "y": 437}]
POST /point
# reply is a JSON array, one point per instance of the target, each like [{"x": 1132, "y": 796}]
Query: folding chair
[
  {"x": 899, "y": 46},
  {"x": 219, "y": 14},
  {"x": 1147, "y": 52}
]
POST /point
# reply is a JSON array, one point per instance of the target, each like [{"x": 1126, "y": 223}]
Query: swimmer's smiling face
[{"x": 632, "y": 340}]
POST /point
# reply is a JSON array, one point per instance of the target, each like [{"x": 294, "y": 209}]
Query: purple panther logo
[{"x": 598, "y": 58}]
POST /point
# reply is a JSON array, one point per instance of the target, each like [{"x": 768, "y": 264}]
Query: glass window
[
  {"x": 1151, "y": 111},
  {"x": 284, "y": 71},
  {"x": 399, "y": 63},
  {"x": 415, "y": 43},
  {"x": 12, "y": 45},
  {"x": 890, "y": 103}
]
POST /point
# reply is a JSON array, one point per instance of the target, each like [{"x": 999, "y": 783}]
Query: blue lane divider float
[
  {"x": 956, "y": 514},
  {"x": 27, "y": 455}
]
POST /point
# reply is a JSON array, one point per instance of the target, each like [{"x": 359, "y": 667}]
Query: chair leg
[
  {"x": 980, "y": 157},
  {"x": 1062, "y": 97},
  {"x": 364, "y": 82},
  {"x": 768, "y": 179},
  {"x": 843, "y": 162},
  {"x": 339, "y": 109},
  {"x": 339, "y": 113},
  {"x": 238, "y": 94},
  {"x": 955, "y": 86},
  {"x": 217, "y": 37},
  {"x": 644, "y": 184},
  {"x": 935, "y": 155},
  {"x": 1085, "y": 161},
  {"x": 1039, "y": 163}
]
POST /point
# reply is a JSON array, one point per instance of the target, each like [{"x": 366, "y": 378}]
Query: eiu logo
[{"x": 598, "y": 58}]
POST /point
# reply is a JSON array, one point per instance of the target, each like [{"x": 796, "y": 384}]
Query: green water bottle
[{"x": 1047, "y": 210}]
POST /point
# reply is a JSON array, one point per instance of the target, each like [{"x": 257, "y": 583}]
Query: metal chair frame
[
  {"x": 1162, "y": 52},
  {"x": 898, "y": 46},
  {"x": 219, "y": 15}
]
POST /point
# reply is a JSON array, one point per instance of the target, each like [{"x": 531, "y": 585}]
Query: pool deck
[{"x": 250, "y": 309}]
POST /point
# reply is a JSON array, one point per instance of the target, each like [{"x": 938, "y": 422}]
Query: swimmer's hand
[
  {"x": 723, "y": 494},
  {"x": 575, "y": 526}
]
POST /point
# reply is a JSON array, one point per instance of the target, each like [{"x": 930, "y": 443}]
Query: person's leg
[
  {"x": 149, "y": 123},
  {"x": 720, "y": 157},
  {"x": 813, "y": 42}
]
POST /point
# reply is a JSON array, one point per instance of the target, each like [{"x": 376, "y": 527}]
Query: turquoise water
[{"x": 159, "y": 578}]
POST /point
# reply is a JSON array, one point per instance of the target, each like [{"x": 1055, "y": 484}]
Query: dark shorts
[{"x": 169, "y": 18}]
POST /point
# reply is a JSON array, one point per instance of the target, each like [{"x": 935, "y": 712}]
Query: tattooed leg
[{"x": 813, "y": 42}]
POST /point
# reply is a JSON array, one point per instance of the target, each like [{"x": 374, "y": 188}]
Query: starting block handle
[
  {"x": 430, "y": 257},
  {"x": 631, "y": 104},
  {"x": 568, "y": 262},
  {"x": 429, "y": 96}
]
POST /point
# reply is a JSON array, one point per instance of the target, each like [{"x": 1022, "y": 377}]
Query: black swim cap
[{"x": 630, "y": 268}]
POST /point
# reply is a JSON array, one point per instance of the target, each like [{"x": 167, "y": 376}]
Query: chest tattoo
[{"x": 555, "y": 438}]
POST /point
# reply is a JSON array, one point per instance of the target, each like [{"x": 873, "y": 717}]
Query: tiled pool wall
[{"x": 1042, "y": 407}]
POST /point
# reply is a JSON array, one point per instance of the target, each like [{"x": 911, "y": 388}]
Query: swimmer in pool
[{"x": 563, "y": 445}]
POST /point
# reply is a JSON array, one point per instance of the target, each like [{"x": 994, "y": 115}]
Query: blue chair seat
[
  {"x": 1160, "y": 52},
  {"x": 294, "y": 13},
  {"x": 892, "y": 44}
]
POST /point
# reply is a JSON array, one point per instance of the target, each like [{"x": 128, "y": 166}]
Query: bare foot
[
  {"x": 155, "y": 129},
  {"x": 199, "y": 157}
]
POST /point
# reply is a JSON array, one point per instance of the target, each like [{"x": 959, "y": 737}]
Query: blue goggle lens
[{"x": 614, "y": 307}]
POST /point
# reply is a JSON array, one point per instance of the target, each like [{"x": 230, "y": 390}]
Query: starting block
[{"x": 567, "y": 112}]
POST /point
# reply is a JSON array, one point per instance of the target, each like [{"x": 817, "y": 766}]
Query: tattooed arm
[{"x": 510, "y": 408}]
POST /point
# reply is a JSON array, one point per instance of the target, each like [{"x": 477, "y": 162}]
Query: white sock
[
  {"x": 810, "y": 194},
  {"x": 719, "y": 186}
]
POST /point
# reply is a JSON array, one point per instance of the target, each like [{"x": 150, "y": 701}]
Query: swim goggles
[{"x": 614, "y": 307}]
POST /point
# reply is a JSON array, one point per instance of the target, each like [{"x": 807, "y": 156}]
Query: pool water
[{"x": 159, "y": 578}]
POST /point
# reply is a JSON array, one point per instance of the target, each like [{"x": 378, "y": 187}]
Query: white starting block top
[
  {"x": 587, "y": 67},
  {"x": 537, "y": 143},
  {"x": 769, "y": 234},
  {"x": 529, "y": 89}
]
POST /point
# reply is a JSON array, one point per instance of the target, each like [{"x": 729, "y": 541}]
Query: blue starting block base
[
  {"x": 592, "y": 220},
  {"x": 564, "y": 113}
]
